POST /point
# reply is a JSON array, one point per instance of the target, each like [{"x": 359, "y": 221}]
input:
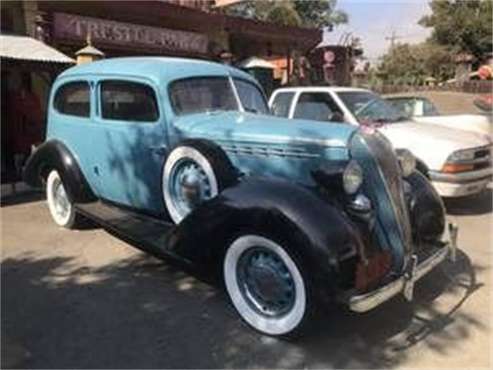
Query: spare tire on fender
[{"x": 195, "y": 171}]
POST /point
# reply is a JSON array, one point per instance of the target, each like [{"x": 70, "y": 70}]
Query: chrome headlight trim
[
  {"x": 407, "y": 161},
  {"x": 352, "y": 177}
]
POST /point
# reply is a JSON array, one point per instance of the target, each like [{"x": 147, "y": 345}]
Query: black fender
[
  {"x": 423, "y": 168},
  {"x": 53, "y": 154},
  {"x": 319, "y": 233},
  {"x": 426, "y": 208}
]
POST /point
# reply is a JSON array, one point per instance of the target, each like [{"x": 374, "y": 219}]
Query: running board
[{"x": 143, "y": 232}]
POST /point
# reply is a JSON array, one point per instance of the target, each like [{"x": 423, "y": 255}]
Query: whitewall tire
[
  {"x": 188, "y": 179},
  {"x": 61, "y": 208},
  {"x": 265, "y": 285}
]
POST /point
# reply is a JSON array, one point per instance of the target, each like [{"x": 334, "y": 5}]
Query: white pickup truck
[{"x": 458, "y": 162}]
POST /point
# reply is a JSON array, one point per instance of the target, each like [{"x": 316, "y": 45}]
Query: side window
[
  {"x": 128, "y": 101},
  {"x": 73, "y": 99},
  {"x": 282, "y": 103},
  {"x": 317, "y": 106}
]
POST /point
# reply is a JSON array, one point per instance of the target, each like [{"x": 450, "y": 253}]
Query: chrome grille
[
  {"x": 391, "y": 172},
  {"x": 384, "y": 185}
]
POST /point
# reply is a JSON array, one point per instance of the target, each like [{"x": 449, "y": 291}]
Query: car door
[
  {"x": 131, "y": 144},
  {"x": 71, "y": 121}
]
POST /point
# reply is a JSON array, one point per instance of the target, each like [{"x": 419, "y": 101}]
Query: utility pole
[{"x": 392, "y": 39}]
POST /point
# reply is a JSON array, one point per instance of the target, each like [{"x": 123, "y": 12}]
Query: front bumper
[
  {"x": 461, "y": 184},
  {"x": 405, "y": 283}
]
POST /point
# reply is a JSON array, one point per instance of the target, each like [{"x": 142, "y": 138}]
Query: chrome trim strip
[
  {"x": 266, "y": 151},
  {"x": 461, "y": 176},
  {"x": 286, "y": 140}
]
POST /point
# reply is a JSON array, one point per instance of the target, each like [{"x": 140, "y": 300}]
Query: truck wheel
[
  {"x": 266, "y": 285},
  {"x": 194, "y": 172},
  {"x": 61, "y": 208}
]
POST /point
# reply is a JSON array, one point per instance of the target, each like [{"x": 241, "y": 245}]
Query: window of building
[
  {"x": 282, "y": 103},
  {"x": 73, "y": 99},
  {"x": 317, "y": 106},
  {"x": 128, "y": 101}
]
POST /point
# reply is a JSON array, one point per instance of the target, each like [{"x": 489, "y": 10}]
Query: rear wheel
[
  {"x": 266, "y": 285},
  {"x": 61, "y": 208}
]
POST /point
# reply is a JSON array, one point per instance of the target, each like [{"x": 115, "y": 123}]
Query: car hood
[
  {"x": 468, "y": 122},
  {"x": 432, "y": 143},
  {"x": 258, "y": 128}
]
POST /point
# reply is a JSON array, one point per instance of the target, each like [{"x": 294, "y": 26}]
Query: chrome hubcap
[
  {"x": 266, "y": 282},
  {"x": 190, "y": 185}
]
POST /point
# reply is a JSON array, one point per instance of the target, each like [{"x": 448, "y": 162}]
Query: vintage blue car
[{"x": 181, "y": 158}]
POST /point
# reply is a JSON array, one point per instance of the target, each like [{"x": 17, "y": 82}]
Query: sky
[{"x": 374, "y": 20}]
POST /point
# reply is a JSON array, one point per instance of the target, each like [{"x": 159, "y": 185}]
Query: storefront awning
[
  {"x": 254, "y": 62},
  {"x": 28, "y": 49}
]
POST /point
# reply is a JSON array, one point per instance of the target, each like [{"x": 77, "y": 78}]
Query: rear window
[
  {"x": 73, "y": 99},
  {"x": 281, "y": 104}
]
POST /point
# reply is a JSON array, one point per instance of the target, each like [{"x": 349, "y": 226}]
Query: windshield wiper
[{"x": 251, "y": 110}]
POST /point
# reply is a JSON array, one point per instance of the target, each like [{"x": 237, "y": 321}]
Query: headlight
[
  {"x": 352, "y": 177},
  {"x": 407, "y": 161},
  {"x": 462, "y": 156}
]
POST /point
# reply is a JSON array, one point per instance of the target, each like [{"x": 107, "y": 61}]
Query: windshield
[
  {"x": 202, "y": 94},
  {"x": 368, "y": 107},
  {"x": 251, "y": 97},
  {"x": 212, "y": 94}
]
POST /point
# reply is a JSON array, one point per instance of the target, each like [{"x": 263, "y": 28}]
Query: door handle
[{"x": 159, "y": 150}]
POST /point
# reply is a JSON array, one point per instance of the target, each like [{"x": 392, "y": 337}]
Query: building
[{"x": 185, "y": 28}]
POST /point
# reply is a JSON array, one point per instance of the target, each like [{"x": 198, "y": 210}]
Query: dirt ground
[{"x": 84, "y": 299}]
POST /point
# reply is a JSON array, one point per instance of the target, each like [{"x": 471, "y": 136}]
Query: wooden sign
[{"x": 106, "y": 32}]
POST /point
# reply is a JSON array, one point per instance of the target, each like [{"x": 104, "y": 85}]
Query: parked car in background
[
  {"x": 180, "y": 157},
  {"x": 421, "y": 109},
  {"x": 458, "y": 162},
  {"x": 485, "y": 103}
]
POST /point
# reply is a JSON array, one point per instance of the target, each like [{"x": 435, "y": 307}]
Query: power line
[{"x": 393, "y": 38}]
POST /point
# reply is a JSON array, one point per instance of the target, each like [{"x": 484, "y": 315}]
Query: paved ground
[{"x": 84, "y": 299}]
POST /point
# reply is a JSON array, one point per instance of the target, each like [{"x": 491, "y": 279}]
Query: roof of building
[
  {"x": 27, "y": 48},
  {"x": 90, "y": 50},
  {"x": 158, "y": 69}
]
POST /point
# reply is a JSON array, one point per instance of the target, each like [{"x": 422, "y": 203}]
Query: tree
[
  {"x": 313, "y": 13},
  {"x": 461, "y": 25},
  {"x": 320, "y": 14},
  {"x": 411, "y": 64}
]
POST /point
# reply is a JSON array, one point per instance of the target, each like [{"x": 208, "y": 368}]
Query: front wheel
[
  {"x": 61, "y": 208},
  {"x": 194, "y": 172},
  {"x": 266, "y": 285}
]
